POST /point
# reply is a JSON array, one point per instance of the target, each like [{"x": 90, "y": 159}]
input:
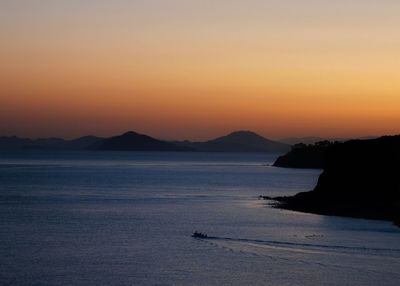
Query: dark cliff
[{"x": 361, "y": 178}]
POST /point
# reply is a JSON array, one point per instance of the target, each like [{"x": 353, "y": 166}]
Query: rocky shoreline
[{"x": 361, "y": 179}]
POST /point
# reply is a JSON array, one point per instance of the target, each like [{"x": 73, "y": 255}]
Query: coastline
[
  {"x": 292, "y": 203},
  {"x": 359, "y": 179}
]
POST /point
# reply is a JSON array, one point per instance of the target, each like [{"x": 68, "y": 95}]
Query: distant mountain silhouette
[
  {"x": 361, "y": 178},
  {"x": 305, "y": 156},
  {"x": 239, "y": 141},
  {"x": 85, "y": 142},
  {"x": 13, "y": 142},
  {"x": 132, "y": 141}
]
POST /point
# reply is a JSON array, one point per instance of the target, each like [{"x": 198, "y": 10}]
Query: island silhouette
[
  {"x": 238, "y": 141},
  {"x": 132, "y": 141},
  {"x": 361, "y": 178}
]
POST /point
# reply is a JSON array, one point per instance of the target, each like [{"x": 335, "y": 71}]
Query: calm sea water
[{"x": 94, "y": 218}]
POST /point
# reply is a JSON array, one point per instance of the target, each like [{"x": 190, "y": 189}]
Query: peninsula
[{"x": 361, "y": 178}]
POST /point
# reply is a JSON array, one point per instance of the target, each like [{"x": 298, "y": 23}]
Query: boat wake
[
  {"x": 295, "y": 246},
  {"x": 325, "y": 256}
]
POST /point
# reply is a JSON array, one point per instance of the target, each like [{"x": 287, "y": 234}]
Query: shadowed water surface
[{"x": 105, "y": 218}]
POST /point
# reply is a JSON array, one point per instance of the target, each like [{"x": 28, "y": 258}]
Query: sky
[{"x": 196, "y": 69}]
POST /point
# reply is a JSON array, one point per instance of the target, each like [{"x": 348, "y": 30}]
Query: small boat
[{"x": 197, "y": 234}]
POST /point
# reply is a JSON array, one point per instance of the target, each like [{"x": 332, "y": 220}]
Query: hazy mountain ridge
[
  {"x": 132, "y": 141},
  {"x": 14, "y": 142},
  {"x": 238, "y": 141}
]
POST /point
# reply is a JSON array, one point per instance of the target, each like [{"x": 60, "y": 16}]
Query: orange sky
[{"x": 179, "y": 69}]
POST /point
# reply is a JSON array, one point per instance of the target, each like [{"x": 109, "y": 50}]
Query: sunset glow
[{"x": 198, "y": 69}]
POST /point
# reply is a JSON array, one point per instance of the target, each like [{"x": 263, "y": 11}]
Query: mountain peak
[
  {"x": 132, "y": 141},
  {"x": 243, "y": 133},
  {"x": 242, "y": 141},
  {"x": 243, "y": 136},
  {"x": 130, "y": 133}
]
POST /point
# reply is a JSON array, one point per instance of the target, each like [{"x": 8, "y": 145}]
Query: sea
[{"x": 126, "y": 218}]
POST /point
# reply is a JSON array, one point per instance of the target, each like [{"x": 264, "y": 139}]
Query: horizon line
[{"x": 288, "y": 137}]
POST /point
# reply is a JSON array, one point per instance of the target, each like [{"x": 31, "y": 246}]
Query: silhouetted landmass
[
  {"x": 132, "y": 141},
  {"x": 361, "y": 178},
  {"x": 239, "y": 141},
  {"x": 86, "y": 142},
  {"x": 305, "y": 156},
  {"x": 13, "y": 142},
  {"x": 313, "y": 139}
]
